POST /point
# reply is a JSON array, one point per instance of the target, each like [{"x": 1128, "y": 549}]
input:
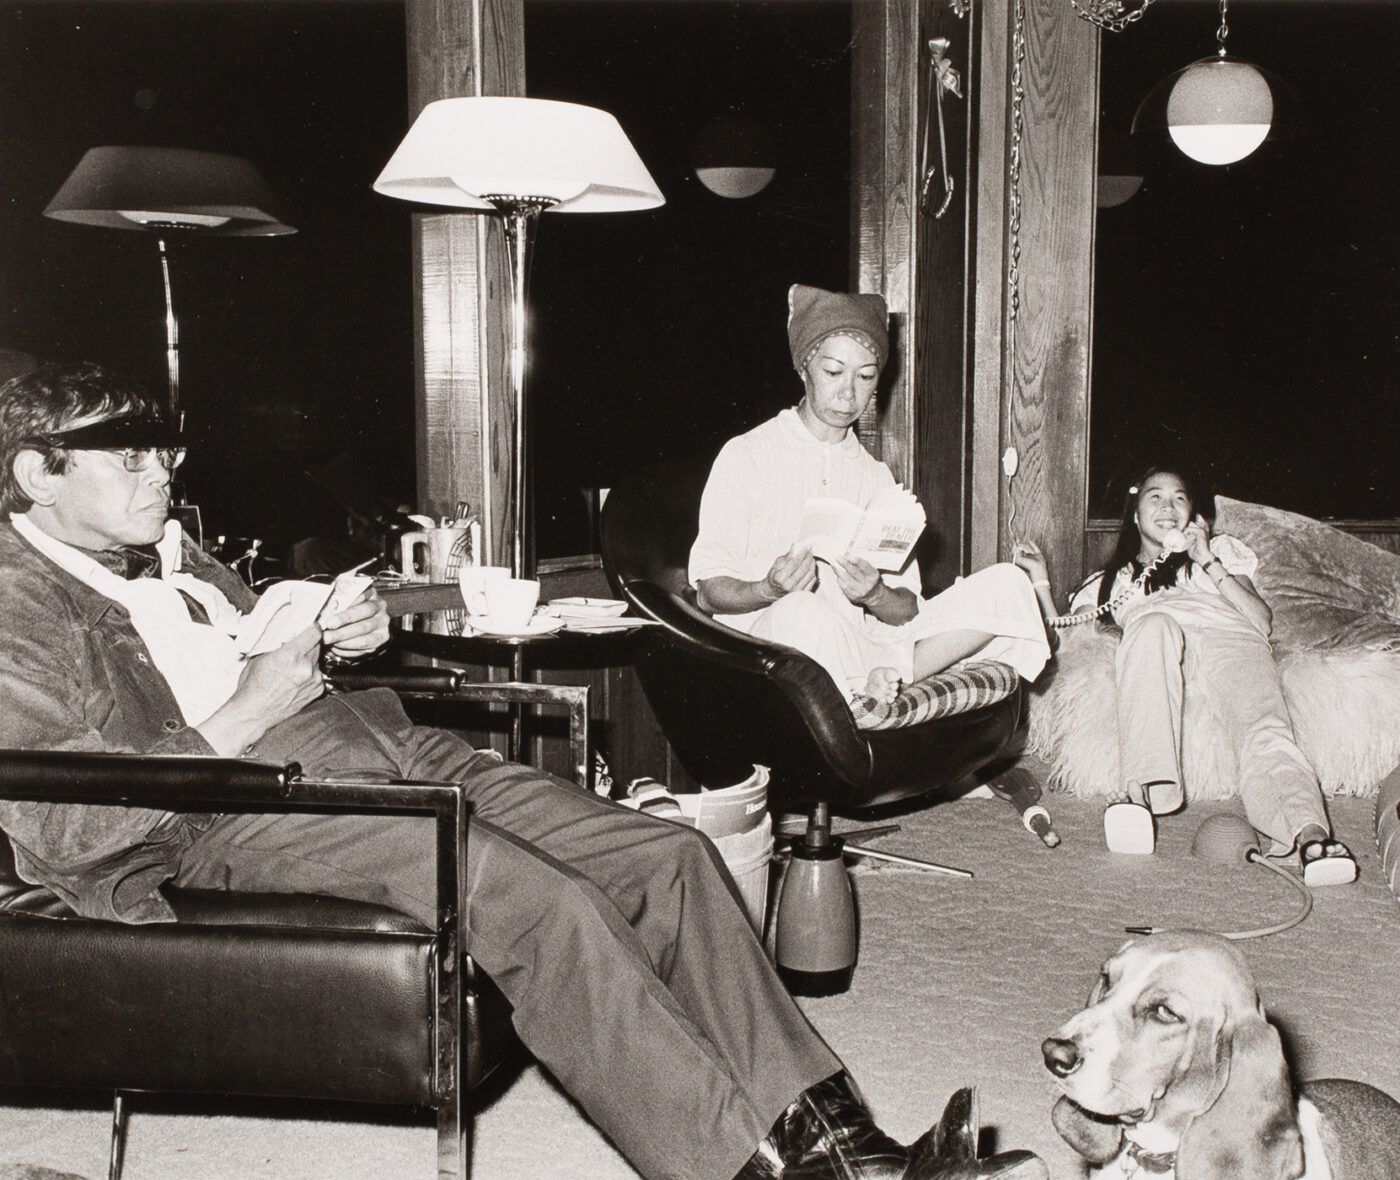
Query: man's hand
[
  {"x": 286, "y": 679},
  {"x": 273, "y": 687},
  {"x": 359, "y": 629},
  {"x": 794, "y": 570}
]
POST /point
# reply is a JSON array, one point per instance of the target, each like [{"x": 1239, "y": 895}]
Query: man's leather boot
[{"x": 828, "y": 1134}]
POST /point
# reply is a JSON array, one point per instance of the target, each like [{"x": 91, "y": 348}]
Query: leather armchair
[
  {"x": 281, "y": 995},
  {"x": 726, "y": 700}
]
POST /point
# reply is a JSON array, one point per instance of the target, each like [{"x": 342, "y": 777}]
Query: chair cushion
[{"x": 960, "y": 689}]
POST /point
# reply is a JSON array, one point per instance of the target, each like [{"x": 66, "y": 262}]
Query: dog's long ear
[
  {"x": 1250, "y": 1129},
  {"x": 1097, "y": 1141}
]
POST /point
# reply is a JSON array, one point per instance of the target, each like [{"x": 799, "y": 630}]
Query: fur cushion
[
  {"x": 1327, "y": 589},
  {"x": 1336, "y": 635}
]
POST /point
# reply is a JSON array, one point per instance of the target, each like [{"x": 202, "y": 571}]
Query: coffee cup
[
  {"x": 474, "y": 579},
  {"x": 511, "y": 602}
]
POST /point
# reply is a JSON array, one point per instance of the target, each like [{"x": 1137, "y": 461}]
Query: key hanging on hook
[{"x": 941, "y": 76}]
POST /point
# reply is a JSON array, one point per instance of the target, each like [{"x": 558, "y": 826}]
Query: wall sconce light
[
  {"x": 1217, "y": 110},
  {"x": 735, "y": 157}
]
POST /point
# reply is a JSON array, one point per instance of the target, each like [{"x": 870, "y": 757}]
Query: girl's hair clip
[{"x": 1132, "y": 491}]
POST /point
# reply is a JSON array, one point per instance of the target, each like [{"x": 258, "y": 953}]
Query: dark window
[
  {"x": 296, "y": 353},
  {"x": 658, "y": 335},
  {"x": 1247, "y": 318}
]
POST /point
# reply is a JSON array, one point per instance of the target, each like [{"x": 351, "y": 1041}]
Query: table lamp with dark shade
[{"x": 169, "y": 192}]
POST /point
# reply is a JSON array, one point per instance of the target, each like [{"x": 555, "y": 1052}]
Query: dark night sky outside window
[{"x": 1247, "y": 318}]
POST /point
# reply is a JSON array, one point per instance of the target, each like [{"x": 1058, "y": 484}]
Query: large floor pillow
[{"x": 1336, "y": 635}]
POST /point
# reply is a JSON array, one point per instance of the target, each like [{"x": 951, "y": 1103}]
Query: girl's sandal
[
  {"x": 1326, "y": 862},
  {"x": 1128, "y": 827}
]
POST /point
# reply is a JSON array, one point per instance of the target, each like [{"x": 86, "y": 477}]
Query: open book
[
  {"x": 286, "y": 609},
  {"x": 882, "y": 534}
]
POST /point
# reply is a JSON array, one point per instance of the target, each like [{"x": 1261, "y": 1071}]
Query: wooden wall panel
[
  {"x": 940, "y": 325},
  {"x": 987, "y": 239},
  {"x": 461, "y": 277},
  {"x": 1051, "y": 94},
  {"x": 883, "y": 98}
]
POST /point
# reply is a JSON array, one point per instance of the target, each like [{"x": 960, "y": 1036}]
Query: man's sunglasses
[{"x": 139, "y": 441}]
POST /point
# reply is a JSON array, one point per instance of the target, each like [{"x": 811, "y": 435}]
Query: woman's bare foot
[{"x": 882, "y": 686}]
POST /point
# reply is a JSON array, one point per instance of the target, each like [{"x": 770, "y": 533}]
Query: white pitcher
[{"x": 435, "y": 554}]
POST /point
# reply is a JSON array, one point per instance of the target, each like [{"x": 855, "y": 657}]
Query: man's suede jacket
[{"x": 74, "y": 675}]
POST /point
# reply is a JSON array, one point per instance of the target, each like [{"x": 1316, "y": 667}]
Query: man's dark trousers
[{"x": 618, "y": 938}]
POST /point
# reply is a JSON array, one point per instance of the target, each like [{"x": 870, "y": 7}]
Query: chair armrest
[
  {"x": 420, "y": 682},
  {"x": 194, "y": 783},
  {"x": 573, "y": 697},
  {"x": 684, "y": 622},
  {"x": 405, "y": 679}
]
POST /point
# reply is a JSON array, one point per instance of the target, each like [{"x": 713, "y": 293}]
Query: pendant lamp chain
[
  {"x": 1113, "y": 15},
  {"x": 1224, "y": 30}
]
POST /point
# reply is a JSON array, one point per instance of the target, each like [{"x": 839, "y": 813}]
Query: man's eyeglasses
[{"x": 137, "y": 459}]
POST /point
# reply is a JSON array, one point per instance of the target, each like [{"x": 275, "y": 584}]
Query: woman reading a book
[{"x": 762, "y": 564}]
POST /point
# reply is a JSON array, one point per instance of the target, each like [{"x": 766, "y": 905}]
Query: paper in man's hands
[
  {"x": 285, "y": 609},
  {"x": 345, "y": 589}
]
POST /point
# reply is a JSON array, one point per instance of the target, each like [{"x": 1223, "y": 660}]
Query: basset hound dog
[{"x": 1173, "y": 1070}]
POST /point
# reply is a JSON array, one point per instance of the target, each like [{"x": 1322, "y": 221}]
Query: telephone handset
[{"x": 1173, "y": 541}]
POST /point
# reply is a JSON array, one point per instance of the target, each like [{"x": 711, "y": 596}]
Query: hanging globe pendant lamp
[
  {"x": 735, "y": 157},
  {"x": 1217, "y": 110}
]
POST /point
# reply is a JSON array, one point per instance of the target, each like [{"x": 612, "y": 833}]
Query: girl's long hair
[{"x": 1125, "y": 552}]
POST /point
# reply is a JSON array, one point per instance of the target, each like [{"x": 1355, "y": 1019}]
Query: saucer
[
  {"x": 599, "y": 626},
  {"x": 587, "y": 608},
  {"x": 539, "y": 625}
]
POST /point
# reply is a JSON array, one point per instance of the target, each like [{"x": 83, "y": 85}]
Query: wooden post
[
  {"x": 883, "y": 70},
  {"x": 1038, "y": 103},
  {"x": 461, "y": 278}
]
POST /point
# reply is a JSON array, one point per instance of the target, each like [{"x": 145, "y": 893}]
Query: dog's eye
[{"x": 1162, "y": 1011}]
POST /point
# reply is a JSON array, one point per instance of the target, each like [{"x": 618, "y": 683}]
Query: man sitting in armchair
[{"x": 618, "y": 939}]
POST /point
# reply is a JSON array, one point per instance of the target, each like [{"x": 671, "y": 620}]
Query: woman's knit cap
[{"x": 814, "y": 315}]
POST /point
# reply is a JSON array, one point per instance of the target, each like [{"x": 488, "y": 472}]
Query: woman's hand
[
  {"x": 1026, "y": 555},
  {"x": 856, "y": 577},
  {"x": 794, "y": 570},
  {"x": 1198, "y": 538},
  {"x": 862, "y": 584},
  {"x": 358, "y": 629}
]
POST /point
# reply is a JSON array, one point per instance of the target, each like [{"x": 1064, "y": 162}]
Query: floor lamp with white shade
[{"x": 518, "y": 158}]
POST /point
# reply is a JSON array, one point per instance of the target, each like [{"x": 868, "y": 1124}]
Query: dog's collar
[{"x": 1160, "y": 1163}]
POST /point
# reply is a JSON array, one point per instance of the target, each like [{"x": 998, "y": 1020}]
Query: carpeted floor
[{"x": 958, "y": 983}]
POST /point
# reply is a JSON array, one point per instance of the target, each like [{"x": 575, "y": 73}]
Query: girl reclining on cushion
[{"x": 1195, "y": 618}]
